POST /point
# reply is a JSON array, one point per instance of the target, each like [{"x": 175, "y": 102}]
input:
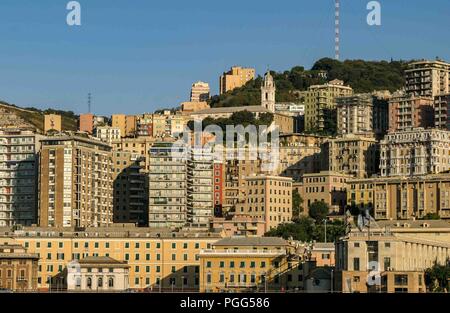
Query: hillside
[
  {"x": 362, "y": 76},
  {"x": 12, "y": 115}
]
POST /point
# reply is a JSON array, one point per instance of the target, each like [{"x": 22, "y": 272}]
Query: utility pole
[
  {"x": 337, "y": 29},
  {"x": 325, "y": 222}
]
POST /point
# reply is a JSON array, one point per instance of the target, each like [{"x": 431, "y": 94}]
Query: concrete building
[
  {"x": 415, "y": 152},
  {"x": 243, "y": 265},
  {"x": 351, "y": 155},
  {"x": 18, "y": 268},
  {"x": 407, "y": 111},
  {"x": 108, "y": 134},
  {"x": 402, "y": 197},
  {"x": 86, "y": 123},
  {"x": 236, "y": 77},
  {"x": 52, "y": 122},
  {"x": 159, "y": 260},
  {"x": 167, "y": 186},
  {"x": 399, "y": 251},
  {"x": 329, "y": 187},
  {"x": 428, "y": 78},
  {"x": 219, "y": 187},
  {"x": 442, "y": 111},
  {"x": 268, "y": 198},
  {"x": 238, "y": 225},
  {"x": 144, "y": 124},
  {"x": 126, "y": 124},
  {"x": 298, "y": 158},
  {"x": 76, "y": 185},
  {"x": 130, "y": 188},
  {"x": 190, "y": 107},
  {"x": 200, "y": 178},
  {"x": 362, "y": 114},
  {"x": 98, "y": 274},
  {"x": 318, "y": 98},
  {"x": 200, "y": 92},
  {"x": 18, "y": 177}
]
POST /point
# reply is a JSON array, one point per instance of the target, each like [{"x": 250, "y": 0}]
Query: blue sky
[{"x": 140, "y": 55}]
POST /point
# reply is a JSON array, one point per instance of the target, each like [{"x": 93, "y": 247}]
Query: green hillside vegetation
[
  {"x": 362, "y": 76},
  {"x": 35, "y": 116}
]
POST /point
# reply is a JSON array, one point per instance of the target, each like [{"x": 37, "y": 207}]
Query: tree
[
  {"x": 318, "y": 210},
  {"x": 297, "y": 202},
  {"x": 302, "y": 229},
  {"x": 437, "y": 277}
]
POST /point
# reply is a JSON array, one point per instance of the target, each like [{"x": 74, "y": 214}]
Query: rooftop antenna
[
  {"x": 89, "y": 102},
  {"x": 337, "y": 29}
]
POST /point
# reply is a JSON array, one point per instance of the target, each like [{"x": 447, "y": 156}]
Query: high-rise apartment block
[
  {"x": 351, "y": 155},
  {"x": 415, "y": 152},
  {"x": 76, "y": 185},
  {"x": 407, "y": 111},
  {"x": 442, "y": 111},
  {"x": 200, "y": 92},
  {"x": 236, "y": 77},
  {"x": 362, "y": 114},
  {"x": 126, "y": 123},
  {"x": 320, "y": 98},
  {"x": 167, "y": 186},
  {"x": 130, "y": 188},
  {"x": 428, "y": 78},
  {"x": 18, "y": 177},
  {"x": 200, "y": 205},
  {"x": 52, "y": 122}
]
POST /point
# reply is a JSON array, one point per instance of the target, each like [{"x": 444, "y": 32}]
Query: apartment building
[
  {"x": 18, "y": 177},
  {"x": 428, "y": 78},
  {"x": 126, "y": 124},
  {"x": 268, "y": 198},
  {"x": 200, "y": 186},
  {"x": 158, "y": 260},
  {"x": 246, "y": 264},
  {"x": 326, "y": 186},
  {"x": 400, "y": 251},
  {"x": 76, "y": 184},
  {"x": 415, "y": 152},
  {"x": 130, "y": 188},
  {"x": 408, "y": 111},
  {"x": 52, "y": 122},
  {"x": 236, "y": 77},
  {"x": 318, "y": 98},
  {"x": 144, "y": 124},
  {"x": 297, "y": 159},
  {"x": 167, "y": 186},
  {"x": 238, "y": 225},
  {"x": 18, "y": 268},
  {"x": 351, "y": 155},
  {"x": 108, "y": 134},
  {"x": 442, "y": 111},
  {"x": 86, "y": 123},
  {"x": 362, "y": 114},
  {"x": 200, "y": 92},
  {"x": 168, "y": 124}
]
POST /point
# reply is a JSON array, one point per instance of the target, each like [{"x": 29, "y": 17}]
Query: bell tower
[{"x": 268, "y": 92}]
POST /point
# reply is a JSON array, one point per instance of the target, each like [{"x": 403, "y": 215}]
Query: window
[
  {"x": 222, "y": 264},
  {"x": 401, "y": 280},
  {"x": 231, "y": 264},
  {"x": 89, "y": 283},
  {"x": 111, "y": 282},
  {"x": 100, "y": 282},
  {"x": 356, "y": 264},
  {"x": 208, "y": 264},
  {"x": 242, "y": 264},
  {"x": 387, "y": 263}
]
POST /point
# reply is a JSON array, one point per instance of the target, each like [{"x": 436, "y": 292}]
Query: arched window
[
  {"x": 111, "y": 282},
  {"x": 100, "y": 282},
  {"x": 89, "y": 283}
]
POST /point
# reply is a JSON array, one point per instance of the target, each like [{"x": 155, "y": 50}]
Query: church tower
[{"x": 268, "y": 93}]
